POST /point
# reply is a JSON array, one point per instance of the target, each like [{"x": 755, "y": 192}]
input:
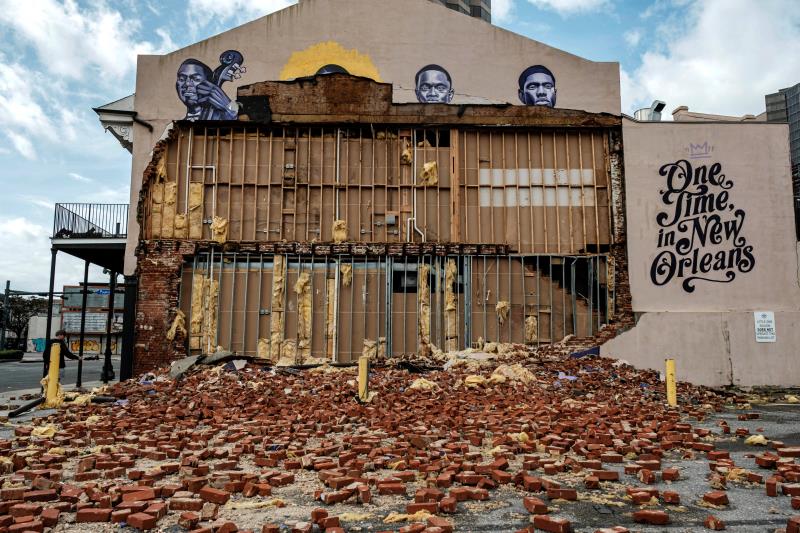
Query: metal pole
[
  {"x": 6, "y": 311},
  {"x": 53, "y": 252},
  {"x": 108, "y": 371},
  {"x": 128, "y": 328},
  {"x": 78, "y": 383}
]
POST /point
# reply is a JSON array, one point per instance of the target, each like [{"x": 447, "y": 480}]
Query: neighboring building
[
  {"x": 682, "y": 114},
  {"x": 784, "y": 106},
  {"x": 481, "y": 9},
  {"x": 321, "y": 217},
  {"x": 95, "y": 338},
  {"x": 37, "y": 327}
]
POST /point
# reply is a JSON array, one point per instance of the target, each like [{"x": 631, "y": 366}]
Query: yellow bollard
[
  {"x": 52, "y": 374},
  {"x": 363, "y": 378},
  {"x": 672, "y": 388}
]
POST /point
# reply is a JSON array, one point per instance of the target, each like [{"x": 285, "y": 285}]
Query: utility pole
[{"x": 6, "y": 311}]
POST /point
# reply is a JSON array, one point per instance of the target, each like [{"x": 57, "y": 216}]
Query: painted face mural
[
  {"x": 332, "y": 69},
  {"x": 200, "y": 89},
  {"x": 537, "y": 86},
  {"x": 433, "y": 85}
]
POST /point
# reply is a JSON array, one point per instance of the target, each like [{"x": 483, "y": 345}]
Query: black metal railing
[{"x": 90, "y": 221}]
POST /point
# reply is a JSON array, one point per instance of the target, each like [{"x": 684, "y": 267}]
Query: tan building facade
[{"x": 468, "y": 186}]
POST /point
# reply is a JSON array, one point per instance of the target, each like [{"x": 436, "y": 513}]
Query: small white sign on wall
[{"x": 765, "y": 326}]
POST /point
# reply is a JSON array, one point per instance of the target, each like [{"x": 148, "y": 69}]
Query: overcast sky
[{"x": 58, "y": 59}]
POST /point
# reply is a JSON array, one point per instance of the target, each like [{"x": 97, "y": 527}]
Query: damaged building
[{"x": 349, "y": 195}]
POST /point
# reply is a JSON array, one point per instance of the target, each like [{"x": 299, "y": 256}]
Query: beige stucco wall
[
  {"x": 710, "y": 331},
  {"x": 388, "y": 38}
]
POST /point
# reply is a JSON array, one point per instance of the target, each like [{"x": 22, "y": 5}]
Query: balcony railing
[{"x": 90, "y": 221}]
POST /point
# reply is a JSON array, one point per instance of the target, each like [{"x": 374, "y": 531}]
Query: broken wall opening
[{"x": 305, "y": 309}]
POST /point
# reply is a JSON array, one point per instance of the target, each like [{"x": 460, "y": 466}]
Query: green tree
[{"x": 20, "y": 310}]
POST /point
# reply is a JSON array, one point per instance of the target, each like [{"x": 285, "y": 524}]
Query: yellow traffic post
[
  {"x": 363, "y": 378},
  {"x": 52, "y": 374},
  {"x": 672, "y": 388}
]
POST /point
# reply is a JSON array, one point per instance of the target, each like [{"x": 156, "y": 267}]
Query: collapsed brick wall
[{"x": 159, "y": 266}]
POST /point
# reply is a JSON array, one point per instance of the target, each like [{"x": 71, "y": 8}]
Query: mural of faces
[
  {"x": 433, "y": 85},
  {"x": 537, "y": 86},
  {"x": 332, "y": 69},
  {"x": 200, "y": 88}
]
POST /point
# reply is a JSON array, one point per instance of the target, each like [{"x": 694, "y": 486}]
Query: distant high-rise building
[
  {"x": 481, "y": 9},
  {"x": 784, "y": 106}
]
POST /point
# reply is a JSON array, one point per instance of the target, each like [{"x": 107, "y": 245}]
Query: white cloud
[
  {"x": 78, "y": 177},
  {"x": 22, "y": 144},
  {"x": 721, "y": 56},
  {"x": 633, "y": 37},
  {"x": 571, "y": 7},
  {"x": 29, "y": 268},
  {"x": 220, "y": 12},
  {"x": 502, "y": 10},
  {"x": 76, "y": 42},
  {"x": 39, "y": 202}
]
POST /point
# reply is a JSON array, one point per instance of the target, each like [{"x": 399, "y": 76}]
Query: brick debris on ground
[{"x": 258, "y": 449}]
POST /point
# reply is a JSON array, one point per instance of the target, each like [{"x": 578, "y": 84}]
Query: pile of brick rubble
[{"x": 254, "y": 448}]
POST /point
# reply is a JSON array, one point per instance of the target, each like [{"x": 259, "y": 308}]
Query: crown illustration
[{"x": 698, "y": 151}]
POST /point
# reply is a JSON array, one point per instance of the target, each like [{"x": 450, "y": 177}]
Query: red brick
[
  {"x": 552, "y": 525},
  {"x": 713, "y": 523},
  {"x": 534, "y": 505},
  {"x": 652, "y": 517},
  {"x": 716, "y": 497},
  {"x": 92, "y": 514},
  {"x": 142, "y": 521},
  {"x": 49, "y": 516},
  {"x": 210, "y": 494}
]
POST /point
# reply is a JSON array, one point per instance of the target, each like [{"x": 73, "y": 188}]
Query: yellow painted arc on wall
[{"x": 307, "y": 62}]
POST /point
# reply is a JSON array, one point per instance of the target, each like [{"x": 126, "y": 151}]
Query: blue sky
[{"x": 60, "y": 58}]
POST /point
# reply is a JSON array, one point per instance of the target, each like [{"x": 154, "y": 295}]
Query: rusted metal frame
[
  {"x": 607, "y": 166},
  {"x": 596, "y": 196},
  {"x": 552, "y": 306},
  {"x": 510, "y": 300},
  {"x": 269, "y": 189},
  {"x": 517, "y": 191},
  {"x": 514, "y": 118},
  {"x": 491, "y": 188},
  {"x": 309, "y": 145},
  {"x": 244, "y": 178},
  {"x": 233, "y": 297},
  {"x": 531, "y": 207},
  {"x": 484, "y": 298},
  {"x": 466, "y": 284},
  {"x": 322, "y": 195},
  {"x": 296, "y": 186},
  {"x": 219, "y": 299},
  {"x": 352, "y": 296},
  {"x": 388, "y": 318},
  {"x": 441, "y": 324},
  {"x": 189, "y": 307},
  {"x": 178, "y": 155},
  {"x": 455, "y": 186},
  {"x": 563, "y": 296},
  {"x": 364, "y": 296},
  {"x": 498, "y": 326},
  {"x": 503, "y": 168},
  {"x": 230, "y": 173},
  {"x": 405, "y": 304},
  {"x": 544, "y": 192},
  {"x": 439, "y": 234},
  {"x": 372, "y": 201},
  {"x": 524, "y": 301},
  {"x": 590, "y": 267},
  {"x": 256, "y": 183},
  {"x": 260, "y": 293},
  {"x": 478, "y": 184},
  {"x": 282, "y": 190},
  {"x": 569, "y": 194},
  {"x": 555, "y": 186},
  {"x": 583, "y": 200},
  {"x": 538, "y": 303},
  {"x": 574, "y": 295}
]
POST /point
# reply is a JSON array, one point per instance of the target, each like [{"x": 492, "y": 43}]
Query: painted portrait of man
[
  {"x": 537, "y": 86},
  {"x": 200, "y": 88},
  {"x": 331, "y": 68},
  {"x": 433, "y": 85}
]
